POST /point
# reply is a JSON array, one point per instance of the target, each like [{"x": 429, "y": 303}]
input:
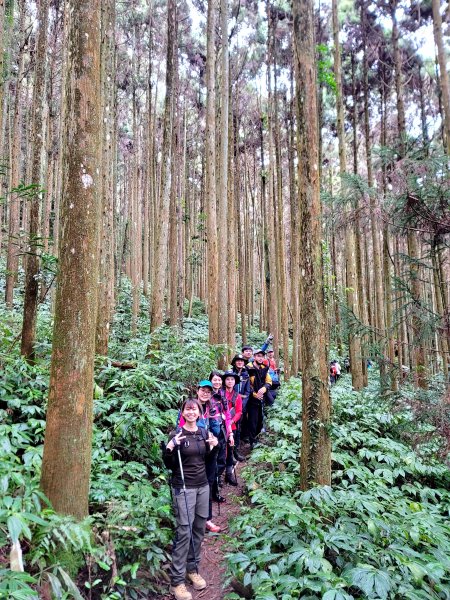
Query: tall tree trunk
[
  {"x": 239, "y": 208},
  {"x": 12, "y": 259},
  {"x": 67, "y": 446},
  {"x": 416, "y": 292},
  {"x": 150, "y": 183},
  {"x": 350, "y": 251},
  {"x": 160, "y": 262},
  {"x": 32, "y": 264},
  {"x": 363, "y": 303},
  {"x": 174, "y": 255},
  {"x": 210, "y": 178},
  {"x": 270, "y": 241},
  {"x": 444, "y": 338},
  {"x": 233, "y": 179},
  {"x": 106, "y": 274},
  {"x": 375, "y": 226},
  {"x": 443, "y": 72},
  {"x": 315, "y": 465},
  {"x": 222, "y": 299},
  {"x": 295, "y": 246},
  {"x": 278, "y": 215}
]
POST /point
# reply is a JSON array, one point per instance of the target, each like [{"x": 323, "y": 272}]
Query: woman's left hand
[{"x": 231, "y": 439}]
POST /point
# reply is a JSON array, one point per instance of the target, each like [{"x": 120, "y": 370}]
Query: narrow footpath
[{"x": 213, "y": 562}]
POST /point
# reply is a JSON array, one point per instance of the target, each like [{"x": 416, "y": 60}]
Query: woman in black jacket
[{"x": 185, "y": 455}]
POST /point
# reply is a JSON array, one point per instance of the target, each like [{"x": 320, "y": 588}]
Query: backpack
[
  {"x": 232, "y": 402},
  {"x": 275, "y": 379},
  {"x": 202, "y": 430}
]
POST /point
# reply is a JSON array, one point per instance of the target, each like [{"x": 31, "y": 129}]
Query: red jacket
[{"x": 235, "y": 407}]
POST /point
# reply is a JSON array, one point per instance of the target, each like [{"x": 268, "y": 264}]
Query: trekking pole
[
  {"x": 187, "y": 507},
  {"x": 218, "y": 493},
  {"x": 234, "y": 471}
]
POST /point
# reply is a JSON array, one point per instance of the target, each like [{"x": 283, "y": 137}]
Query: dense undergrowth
[
  {"x": 120, "y": 550},
  {"x": 381, "y": 531}
]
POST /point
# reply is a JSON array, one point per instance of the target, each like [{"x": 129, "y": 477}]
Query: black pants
[
  {"x": 221, "y": 456},
  {"x": 211, "y": 470},
  {"x": 254, "y": 418},
  {"x": 270, "y": 397}
]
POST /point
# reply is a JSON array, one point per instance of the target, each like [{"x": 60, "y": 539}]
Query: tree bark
[
  {"x": 416, "y": 292},
  {"x": 12, "y": 259},
  {"x": 222, "y": 299},
  {"x": 315, "y": 464},
  {"x": 350, "y": 252},
  {"x": 210, "y": 178},
  {"x": 443, "y": 72},
  {"x": 160, "y": 262},
  {"x": 38, "y": 141},
  {"x": 106, "y": 283},
  {"x": 67, "y": 446}
]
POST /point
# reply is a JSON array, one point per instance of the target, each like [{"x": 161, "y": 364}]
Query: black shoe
[
  {"x": 218, "y": 498},
  {"x": 239, "y": 457},
  {"x": 231, "y": 480}
]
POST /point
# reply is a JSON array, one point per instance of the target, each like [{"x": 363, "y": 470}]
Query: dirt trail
[{"x": 212, "y": 565}]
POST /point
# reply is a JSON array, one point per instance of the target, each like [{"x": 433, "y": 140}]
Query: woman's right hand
[
  {"x": 175, "y": 441},
  {"x": 212, "y": 440}
]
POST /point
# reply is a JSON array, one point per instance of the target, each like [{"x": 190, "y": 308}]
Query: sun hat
[
  {"x": 205, "y": 383},
  {"x": 236, "y": 377}
]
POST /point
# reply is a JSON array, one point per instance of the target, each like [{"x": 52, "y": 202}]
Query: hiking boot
[
  {"x": 210, "y": 526},
  {"x": 198, "y": 583},
  {"x": 230, "y": 479},
  {"x": 239, "y": 457},
  {"x": 180, "y": 592}
]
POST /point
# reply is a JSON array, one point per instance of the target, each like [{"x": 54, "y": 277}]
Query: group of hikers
[{"x": 208, "y": 441}]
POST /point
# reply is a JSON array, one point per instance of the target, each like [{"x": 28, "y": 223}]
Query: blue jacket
[{"x": 243, "y": 388}]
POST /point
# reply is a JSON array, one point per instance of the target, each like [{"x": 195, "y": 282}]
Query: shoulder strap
[{"x": 177, "y": 425}]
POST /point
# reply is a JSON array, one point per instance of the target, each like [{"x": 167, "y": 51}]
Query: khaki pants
[{"x": 191, "y": 512}]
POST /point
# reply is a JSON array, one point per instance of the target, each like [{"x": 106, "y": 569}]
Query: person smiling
[{"x": 185, "y": 454}]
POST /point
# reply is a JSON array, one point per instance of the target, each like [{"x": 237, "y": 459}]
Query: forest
[{"x": 181, "y": 179}]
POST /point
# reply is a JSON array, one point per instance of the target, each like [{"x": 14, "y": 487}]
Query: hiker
[
  {"x": 185, "y": 455},
  {"x": 234, "y": 401},
  {"x": 260, "y": 382},
  {"x": 209, "y": 423},
  {"x": 338, "y": 369},
  {"x": 238, "y": 366},
  {"x": 347, "y": 364},
  {"x": 332, "y": 373},
  {"x": 221, "y": 413},
  {"x": 274, "y": 375},
  {"x": 247, "y": 352},
  {"x": 267, "y": 343},
  {"x": 271, "y": 359},
  {"x": 215, "y": 377}
]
